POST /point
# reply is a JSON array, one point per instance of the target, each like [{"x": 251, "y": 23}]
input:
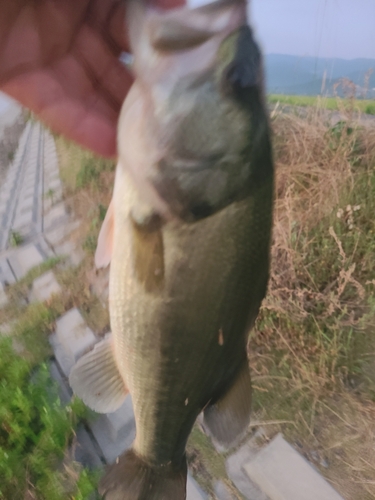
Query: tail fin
[{"x": 130, "y": 478}]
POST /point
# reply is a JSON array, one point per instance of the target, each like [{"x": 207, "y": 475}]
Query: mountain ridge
[{"x": 304, "y": 75}]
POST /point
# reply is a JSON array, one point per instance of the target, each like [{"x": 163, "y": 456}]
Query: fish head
[{"x": 200, "y": 107}]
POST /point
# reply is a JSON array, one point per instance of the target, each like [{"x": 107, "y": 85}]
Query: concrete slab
[
  {"x": 6, "y": 273},
  {"x": 84, "y": 450},
  {"x": 56, "y": 215},
  {"x": 26, "y": 206},
  {"x": 222, "y": 492},
  {"x": 115, "y": 432},
  {"x": 52, "y": 184},
  {"x": 56, "y": 235},
  {"x": 22, "y": 220},
  {"x": 43, "y": 247},
  {"x": 52, "y": 199},
  {"x": 284, "y": 474},
  {"x": 3, "y": 201},
  {"x": 65, "y": 392},
  {"x": 60, "y": 354},
  {"x": 24, "y": 259},
  {"x": 45, "y": 287},
  {"x": 71, "y": 340},
  {"x": 234, "y": 465},
  {"x": 193, "y": 490},
  {"x": 69, "y": 249}
]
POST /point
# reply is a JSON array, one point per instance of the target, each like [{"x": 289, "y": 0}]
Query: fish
[{"x": 187, "y": 236}]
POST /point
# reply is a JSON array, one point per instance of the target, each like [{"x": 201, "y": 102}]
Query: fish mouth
[{"x": 191, "y": 164}]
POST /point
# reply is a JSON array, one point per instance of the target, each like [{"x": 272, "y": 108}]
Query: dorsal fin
[{"x": 103, "y": 254}]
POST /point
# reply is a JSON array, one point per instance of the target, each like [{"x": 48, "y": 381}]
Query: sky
[
  {"x": 5, "y": 103},
  {"x": 317, "y": 28}
]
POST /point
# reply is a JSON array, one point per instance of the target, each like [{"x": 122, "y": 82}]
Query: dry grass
[{"x": 312, "y": 352}]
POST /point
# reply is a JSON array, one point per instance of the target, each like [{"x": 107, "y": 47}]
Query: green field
[{"x": 335, "y": 104}]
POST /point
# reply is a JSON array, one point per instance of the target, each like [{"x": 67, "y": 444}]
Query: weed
[
  {"x": 78, "y": 293},
  {"x": 203, "y": 460},
  {"x": 90, "y": 243},
  {"x": 15, "y": 239},
  {"x": 90, "y": 171},
  {"x": 50, "y": 194},
  {"x": 18, "y": 293},
  {"x": 102, "y": 212},
  {"x": 35, "y": 430},
  {"x": 370, "y": 109}
]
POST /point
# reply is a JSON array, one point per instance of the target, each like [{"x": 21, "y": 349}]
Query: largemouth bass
[{"x": 188, "y": 237}]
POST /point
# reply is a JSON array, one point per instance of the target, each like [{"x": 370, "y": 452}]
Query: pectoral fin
[
  {"x": 148, "y": 248},
  {"x": 96, "y": 380},
  {"x": 103, "y": 254},
  {"x": 227, "y": 419}
]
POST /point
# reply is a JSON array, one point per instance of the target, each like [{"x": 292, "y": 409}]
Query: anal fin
[
  {"x": 96, "y": 379},
  {"x": 227, "y": 420}
]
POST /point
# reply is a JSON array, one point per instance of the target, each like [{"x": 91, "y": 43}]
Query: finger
[
  {"x": 91, "y": 122},
  {"x": 168, "y": 4},
  {"x": 117, "y": 23},
  {"x": 102, "y": 66},
  {"x": 107, "y": 17}
]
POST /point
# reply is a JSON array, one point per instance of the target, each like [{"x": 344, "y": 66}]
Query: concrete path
[
  {"x": 31, "y": 178},
  {"x": 34, "y": 223}
]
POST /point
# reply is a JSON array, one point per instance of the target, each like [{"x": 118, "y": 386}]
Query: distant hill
[{"x": 304, "y": 75}]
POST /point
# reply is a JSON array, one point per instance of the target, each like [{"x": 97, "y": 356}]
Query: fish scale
[{"x": 156, "y": 373}]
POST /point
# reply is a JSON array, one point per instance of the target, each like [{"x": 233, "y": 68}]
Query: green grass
[
  {"x": 15, "y": 239},
  {"x": 331, "y": 103},
  {"x": 206, "y": 464},
  {"x": 35, "y": 431}
]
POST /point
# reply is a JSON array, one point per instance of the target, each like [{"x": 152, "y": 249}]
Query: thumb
[{"x": 167, "y": 4}]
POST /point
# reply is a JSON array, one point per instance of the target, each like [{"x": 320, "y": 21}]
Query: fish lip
[{"x": 183, "y": 164}]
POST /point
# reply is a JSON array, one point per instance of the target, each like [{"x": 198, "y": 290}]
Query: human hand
[{"x": 60, "y": 59}]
